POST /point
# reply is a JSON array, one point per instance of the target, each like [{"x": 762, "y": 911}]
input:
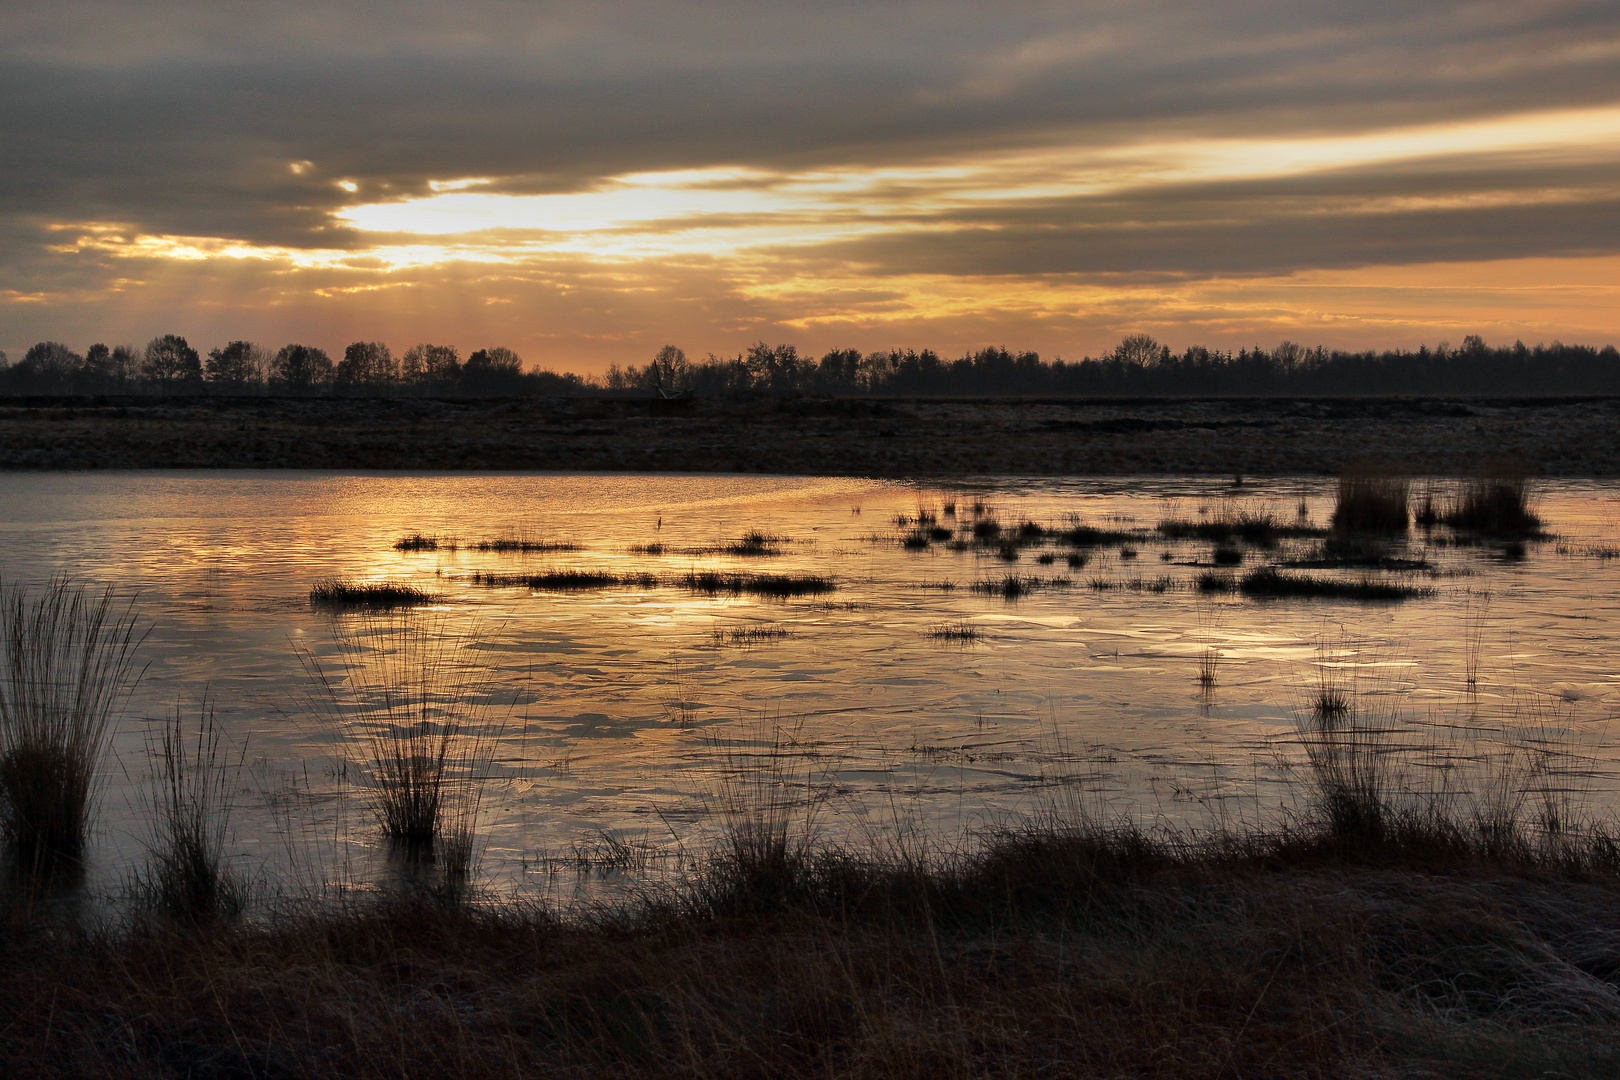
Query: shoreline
[{"x": 876, "y": 437}]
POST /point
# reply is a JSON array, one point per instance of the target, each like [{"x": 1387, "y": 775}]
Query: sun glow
[
  {"x": 734, "y": 250},
  {"x": 721, "y": 210}
]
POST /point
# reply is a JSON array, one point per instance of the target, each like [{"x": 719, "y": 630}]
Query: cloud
[{"x": 294, "y": 148}]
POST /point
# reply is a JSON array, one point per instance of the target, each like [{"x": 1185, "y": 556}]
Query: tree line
[
  {"x": 1138, "y": 365},
  {"x": 169, "y": 364}
]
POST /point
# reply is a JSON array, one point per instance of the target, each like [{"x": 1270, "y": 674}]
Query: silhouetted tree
[
  {"x": 107, "y": 369},
  {"x": 430, "y": 367},
  {"x": 300, "y": 369},
  {"x": 241, "y": 363},
  {"x": 169, "y": 360},
  {"x": 49, "y": 367},
  {"x": 492, "y": 371},
  {"x": 367, "y": 365},
  {"x": 1139, "y": 350}
]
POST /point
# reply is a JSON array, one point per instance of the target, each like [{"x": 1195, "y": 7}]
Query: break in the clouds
[{"x": 587, "y": 181}]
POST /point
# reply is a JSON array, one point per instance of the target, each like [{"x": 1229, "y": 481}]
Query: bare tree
[
  {"x": 169, "y": 359},
  {"x": 430, "y": 367},
  {"x": 300, "y": 368},
  {"x": 367, "y": 364},
  {"x": 240, "y": 363},
  {"x": 1139, "y": 350}
]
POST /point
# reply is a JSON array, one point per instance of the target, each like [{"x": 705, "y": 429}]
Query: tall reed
[
  {"x": 1369, "y": 501},
  {"x": 417, "y": 714},
  {"x": 1496, "y": 505},
  {"x": 195, "y": 781},
  {"x": 68, "y": 668}
]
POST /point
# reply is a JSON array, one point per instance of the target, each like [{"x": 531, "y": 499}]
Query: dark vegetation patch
[
  {"x": 562, "y": 580},
  {"x": 375, "y": 595},
  {"x": 717, "y": 583},
  {"x": 1355, "y": 551},
  {"x": 501, "y": 544},
  {"x": 749, "y": 635},
  {"x": 418, "y": 542},
  {"x": 1269, "y": 581},
  {"x": 520, "y": 546},
  {"x": 1008, "y": 586},
  {"x": 957, "y": 631},
  {"x": 1089, "y": 536},
  {"x": 1260, "y": 527},
  {"x": 752, "y": 544}
]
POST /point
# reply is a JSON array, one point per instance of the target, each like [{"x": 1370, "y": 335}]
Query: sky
[{"x": 585, "y": 182}]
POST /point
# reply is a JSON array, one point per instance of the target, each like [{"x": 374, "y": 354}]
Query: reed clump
[
  {"x": 1078, "y": 535},
  {"x": 566, "y": 580},
  {"x": 1268, "y": 581},
  {"x": 418, "y": 542},
  {"x": 196, "y": 779},
  {"x": 69, "y": 666},
  {"x": 1257, "y": 525},
  {"x": 753, "y": 545},
  {"x": 718, "y": 583},
  {"x": 374, "y": 595},
  {"x": 1371, "y": 502},
  {"x": 1494, "y": 505},
  {"x": 417, "y": 715},
  {"x": 1399, "y": 937},
  {"x": 517, "y": 545},
  {"x": 1008, "y": 586},
  {"x": 749, "y": 635}
]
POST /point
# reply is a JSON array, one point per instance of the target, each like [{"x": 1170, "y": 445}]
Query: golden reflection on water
[{"x": 631, "y": 696}]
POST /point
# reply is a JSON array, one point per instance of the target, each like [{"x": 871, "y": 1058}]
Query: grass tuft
[
  {"x": 1494, "y": 506},
  {"x": 69, "y": 665},
  {"x": 1370, "y": 502},
  {"x": 196, "y": 779},
  {"x": 376, "y": 595},
  {"x": 1008, "y": 587},
  {"x": 418, "y": 542},
  {"x": 417, "y": 714}
]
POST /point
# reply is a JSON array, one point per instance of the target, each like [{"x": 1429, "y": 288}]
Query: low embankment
[{"x": 840, "y": 436}]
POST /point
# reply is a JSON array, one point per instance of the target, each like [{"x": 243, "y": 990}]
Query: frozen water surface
[{"x": 631, "y": 701}]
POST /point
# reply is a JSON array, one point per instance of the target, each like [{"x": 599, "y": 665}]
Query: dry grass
[
  {"x": 69, "y": 665},
  {"x": 1371, "y": 936},
  {"x": 1063, "y": 948}
]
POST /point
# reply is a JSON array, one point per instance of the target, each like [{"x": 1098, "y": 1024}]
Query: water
[{"x": 633, "y": 702}]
